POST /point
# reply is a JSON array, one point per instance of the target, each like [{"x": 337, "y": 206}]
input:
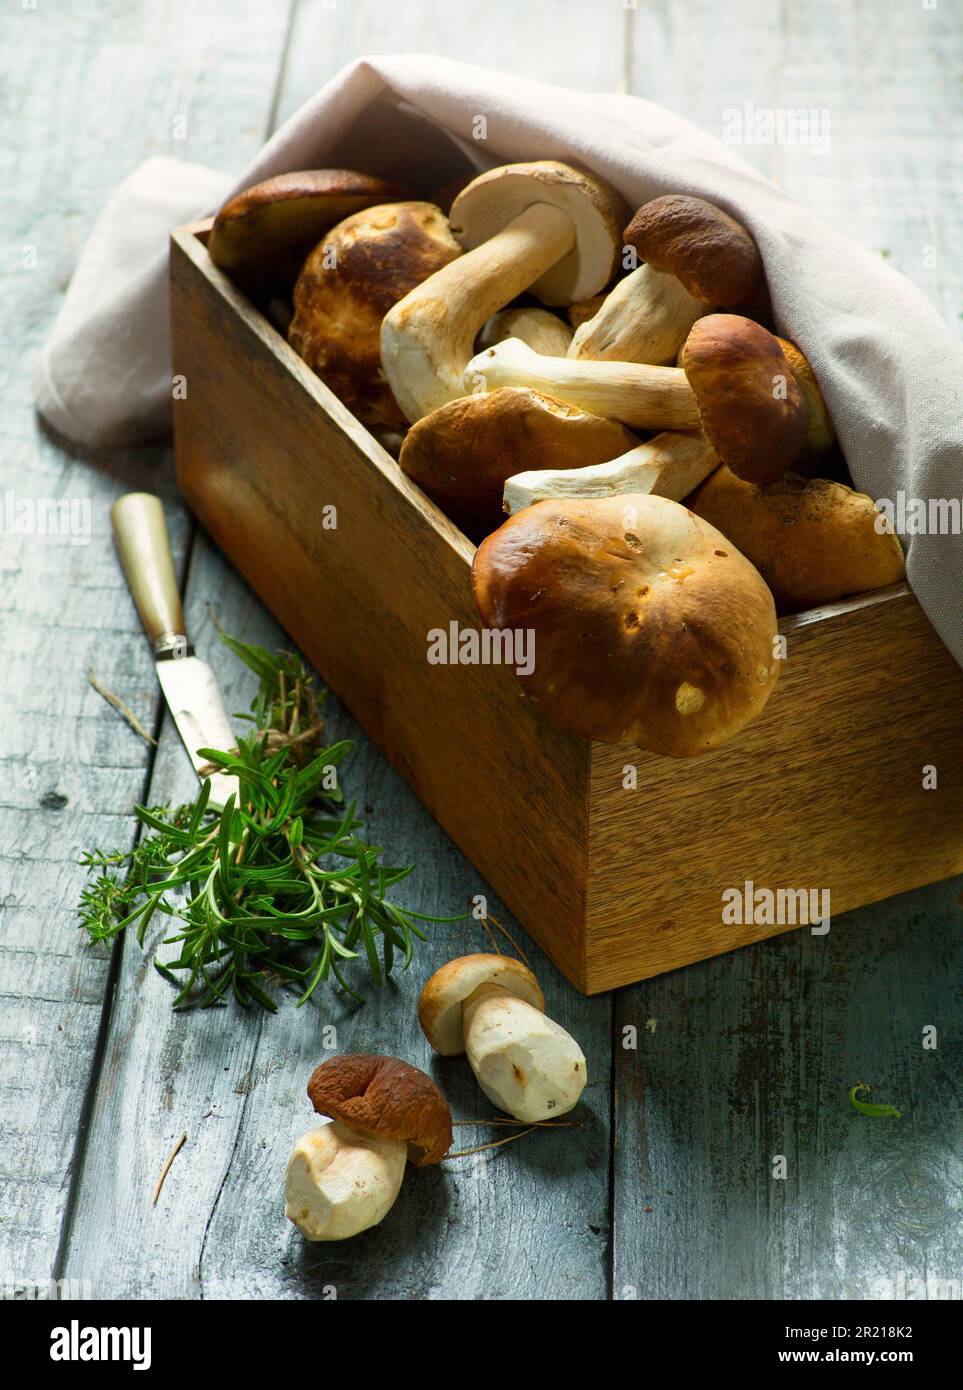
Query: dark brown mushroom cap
[
  {"x": 649, "y": 626},
  {"x": 462, "y": 453},
  {"x": 348, "y": 283},
  {"x": 708, "y": 251},
  {"x": 750, "y": 404},
  {"x": 385, "y": 1097},
  {"x": 262, "y": 235}
]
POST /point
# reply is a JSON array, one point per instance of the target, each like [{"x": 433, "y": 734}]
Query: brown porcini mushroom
[
  {"x": 812, "y": 540},
  {"x": 668, "y": 465},
  {"x": 649, "y": 626},
  {"x": 543, "y": 227},
  {"x": 461, "y": 454},
  {"x": 696, "y": 258},
  {"x": 344, "y": 1177},
  {"x": 348, "y": 283},
  {"x": 261, "y": 236},
  {"x": 735, "y": 384},
  {"x": 491, "y": 1008}
]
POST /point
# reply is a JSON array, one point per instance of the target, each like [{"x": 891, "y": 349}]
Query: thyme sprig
[{"x": 276, "y": 889}]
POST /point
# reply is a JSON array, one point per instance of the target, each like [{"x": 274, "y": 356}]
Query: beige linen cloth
[{"x": 890, "y": 368}]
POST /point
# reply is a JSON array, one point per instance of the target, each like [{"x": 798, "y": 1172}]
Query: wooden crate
[{"x": 824, "y": 791}]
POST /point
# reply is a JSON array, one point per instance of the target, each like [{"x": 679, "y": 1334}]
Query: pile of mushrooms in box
[
  {"x": 669, "y": 468},
  {"x": 614, "y": 384}
]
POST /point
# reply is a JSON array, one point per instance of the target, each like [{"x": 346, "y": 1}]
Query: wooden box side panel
[
  {"x": 824, "y": 791},
  {"x": 262, "y": 449}
]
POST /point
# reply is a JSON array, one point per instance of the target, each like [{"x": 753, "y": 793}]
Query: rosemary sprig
[{"x": 278, "y": 888}]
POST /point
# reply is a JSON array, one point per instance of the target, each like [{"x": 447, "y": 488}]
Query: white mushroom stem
[
  {"x": 340, "y": 1182},
  {"x": 537, "y": 328},
  {"x": 644, "y": 396},
  {"x": 645, "y": 318},
  {"x": 526, "y": 1065},
  {"x": 427, "y": 337},
  {"x": 670, "y": 465}
]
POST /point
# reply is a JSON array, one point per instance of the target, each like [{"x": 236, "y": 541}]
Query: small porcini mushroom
[
  {"x": 461, "y": 454},
  {"x": 491, "y": 1008},
  {"x": 649, "y": 626},
  {"x": 344, "y": 1177},
  {"x": 262, "y": 235},
  {"x": 812, "y": 540},
  {"x": 751, "y": 407},
  {"x": 544, "y": 227},
  {"x": 668, "y": 465},
  {"x": 696, "y": 258},
  {"x": 541, "y": 330},
  {"x": 348, "y": 283}
]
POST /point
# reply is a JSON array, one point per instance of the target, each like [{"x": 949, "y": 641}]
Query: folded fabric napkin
[{"x": 889, "y": 367}]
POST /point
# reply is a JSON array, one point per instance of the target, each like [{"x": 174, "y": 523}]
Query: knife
[{"x": 188, "y": 683}]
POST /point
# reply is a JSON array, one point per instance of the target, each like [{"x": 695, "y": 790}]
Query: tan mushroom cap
[
  {"x": 708, "y": 251},
  {"x": 750, "y": 404},
  {"x": 649, "y": 626},
  {"x": 264, "y": 233},
  {"x": 387, "y": 1098},
  {"x": 348, "y": 283},
  {"x": 490, "y": 202},
  {"x": 812, "y": 540},
  {"x": 820, "y": 434},
  {"x": 462, "y": 453},
  {"x": 440, "y": 1005}
]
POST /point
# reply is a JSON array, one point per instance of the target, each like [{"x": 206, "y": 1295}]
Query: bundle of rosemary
[{"x": 277, "y": 888}]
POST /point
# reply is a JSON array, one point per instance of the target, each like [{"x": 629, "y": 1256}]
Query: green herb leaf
[
  {"x": 869, "y": 1107},
  {"x": 275, "y": 890}
]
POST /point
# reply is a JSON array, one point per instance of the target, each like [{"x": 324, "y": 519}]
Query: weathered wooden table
[{"x": 667, "y": 1187}]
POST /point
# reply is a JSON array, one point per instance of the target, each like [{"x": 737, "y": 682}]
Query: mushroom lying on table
[
  {"x": 813, "y": 541},
  {"x": 735, "y": 384},
  {"x": 491, "y": 1008},
  {"x": 669, "y": 465},
  {"x": 260, "y": 237},
  {"x": 461, "y": 454},
  {"x": 649, "y": 626},
  {"x": 697, "y": 258},
  {"x": 343, "y": 1177},
  {"x": 346, "y": 286},
  {"x": 543, "y": 227}
]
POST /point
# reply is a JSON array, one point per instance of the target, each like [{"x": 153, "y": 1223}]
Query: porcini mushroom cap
[
  {"x": 385, "y": 1097},
  {"x": 349, "y": 282},
  {"x": 462, "y": 453},
  {"x": 812, "y": 540},
  {"x": 440, "y": 1005},
  {"x": 263, "y": 233},
  {"x": 708, "y": 251},
  {"x": 750, "y": 404},
  {"x": 820, "y": 434},
  {"x": 649, "y": 626},
  {"x": 491, "y": 201}
]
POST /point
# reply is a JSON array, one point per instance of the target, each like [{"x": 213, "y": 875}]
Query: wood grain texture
[
  {"x": 752, "y": 1054},
  {"x": 88, "y": 91},
  {"x": 825, "y": 791}
]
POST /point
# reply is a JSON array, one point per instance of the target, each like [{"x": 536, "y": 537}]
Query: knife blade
[{"x": 188, "y": 683}]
